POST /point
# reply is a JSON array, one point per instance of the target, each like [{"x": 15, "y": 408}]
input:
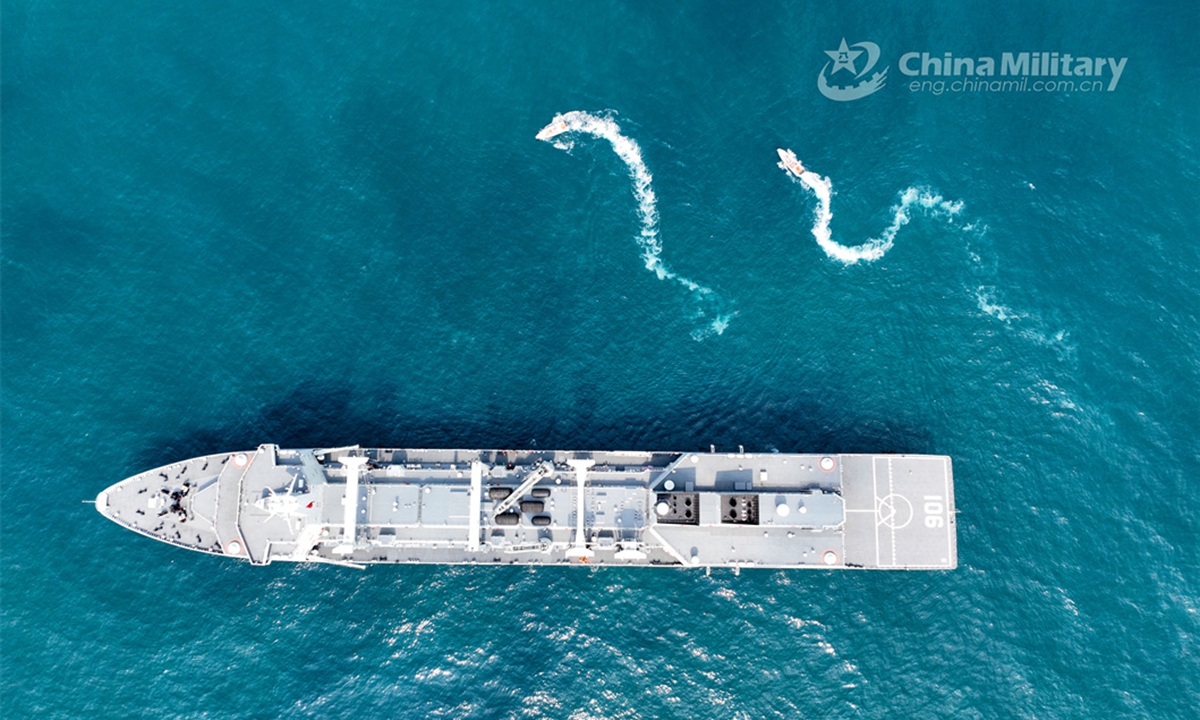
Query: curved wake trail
[
  {"x": 874, "y": 248},
  {"x": 630, "y": 153}
]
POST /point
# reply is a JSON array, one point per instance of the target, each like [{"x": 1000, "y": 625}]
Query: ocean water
[{"x": 306, "y": 223}]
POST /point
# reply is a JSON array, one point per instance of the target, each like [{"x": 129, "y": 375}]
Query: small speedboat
[
  {"x": 557, "y": 127},
  {"x": 790, "y": 162}
]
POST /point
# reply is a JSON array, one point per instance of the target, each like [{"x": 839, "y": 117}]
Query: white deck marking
[
  {"x": 892, "y": 491},
  {"x": 875, "y": 498},
  {"x": 946, "y": 485},
  {"x": 889, "y": 511}
]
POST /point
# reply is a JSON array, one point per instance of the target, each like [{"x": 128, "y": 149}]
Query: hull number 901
[{"x": 933, "y": 511}]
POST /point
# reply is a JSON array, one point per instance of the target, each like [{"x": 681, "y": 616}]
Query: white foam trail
[
  {"x": 986, "y": 300},
  {"x": 1035, "y": 328},
  {"x": 874, "y": 248},
  {"x": 630, "y": 153}
]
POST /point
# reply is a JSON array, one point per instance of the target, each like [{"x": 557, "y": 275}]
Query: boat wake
[
  {"x": 872, "y": 249},
  {"x": 1028, "y": 326},
  {"x": 559, "y": 133}
]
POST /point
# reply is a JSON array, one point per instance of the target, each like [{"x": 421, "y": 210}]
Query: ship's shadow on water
[{"x": 334, "y": 414}]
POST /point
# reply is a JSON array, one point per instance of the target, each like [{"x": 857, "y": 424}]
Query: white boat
[
  {"x": 557, "y": 127},
  {"x": 791, "y": 162}
]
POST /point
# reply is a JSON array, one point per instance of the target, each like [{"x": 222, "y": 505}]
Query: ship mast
[{"x": 580, "y": 549}]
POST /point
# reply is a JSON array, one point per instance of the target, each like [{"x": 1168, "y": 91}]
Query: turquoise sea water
[{"x": 326, "y": 223}]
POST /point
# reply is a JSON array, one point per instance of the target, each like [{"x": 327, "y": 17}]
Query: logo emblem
[{"x": 845, "y": 60}]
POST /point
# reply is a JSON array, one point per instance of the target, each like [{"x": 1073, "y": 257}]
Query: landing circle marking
[{"x": 894, "y": 511}]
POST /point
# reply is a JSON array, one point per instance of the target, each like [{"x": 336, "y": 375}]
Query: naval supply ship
[{"x": 355, "y": 506}]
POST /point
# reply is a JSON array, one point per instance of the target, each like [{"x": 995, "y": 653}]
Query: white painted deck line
[{"x": 475, "y": 506}]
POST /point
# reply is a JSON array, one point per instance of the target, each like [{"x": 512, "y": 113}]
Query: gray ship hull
[{"x": 356, "y": 506}]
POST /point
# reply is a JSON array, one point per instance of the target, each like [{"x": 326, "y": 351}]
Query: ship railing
[
  {"x": 547, "y": 547},
  {"x": 170, "y": 540}
]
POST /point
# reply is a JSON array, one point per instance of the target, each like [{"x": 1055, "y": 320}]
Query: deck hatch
[
  {"x": 739, "y": 509},
  {"x": 678, "y": 508}
]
